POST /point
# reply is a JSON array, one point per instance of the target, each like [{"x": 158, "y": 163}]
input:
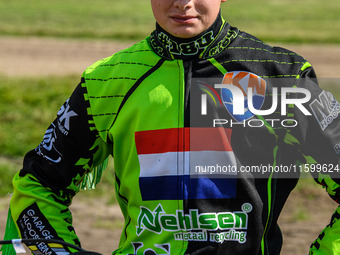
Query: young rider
[{"x": 156, "y": 109}]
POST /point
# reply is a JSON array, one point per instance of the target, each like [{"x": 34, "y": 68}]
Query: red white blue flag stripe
[{"x": 174, "y": 163}]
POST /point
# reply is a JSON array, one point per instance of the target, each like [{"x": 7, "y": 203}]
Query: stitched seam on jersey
[
  {"x": 259, "y": 49},
  {"x": 111, "y": 78},
  {"x": 121, "y": 63},
  {"x": 104, "y": 114},
  {"x": 252, "y": 39},
  {"x": 135, "y": 86},
  {"x": 129, "y": 52},
  {"x": 103, "y": 97},
  {"x": 278, "y": 76},
  {"x": 104, "y": 130},
  {"x": 262, "y": 61}
]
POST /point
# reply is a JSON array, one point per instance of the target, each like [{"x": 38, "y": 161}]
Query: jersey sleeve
[
  {"x": 318, "y": 143},
  {"x": 53, "y": 173}
]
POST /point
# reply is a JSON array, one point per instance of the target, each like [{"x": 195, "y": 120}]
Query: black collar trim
[{"x": 204, "y": 46}]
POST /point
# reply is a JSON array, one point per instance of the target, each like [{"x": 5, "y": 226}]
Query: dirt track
[
  {"x": 36, "y": 56},
  {"x": 96, "y": 224}
]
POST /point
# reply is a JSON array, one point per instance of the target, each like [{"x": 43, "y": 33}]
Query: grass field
[
  {"x": 27, "y": 106},
  {"x": 271, "y": 20}
]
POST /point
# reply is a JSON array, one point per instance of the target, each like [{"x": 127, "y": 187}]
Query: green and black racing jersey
[{"x": 194, "y": 173}]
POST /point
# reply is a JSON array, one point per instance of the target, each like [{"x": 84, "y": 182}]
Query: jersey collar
[{"x": 206, "y": 45}]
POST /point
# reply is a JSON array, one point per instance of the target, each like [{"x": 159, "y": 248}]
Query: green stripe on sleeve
[
  {"x": 305, "y": 66},
  {"x": 217, "y": 65}
]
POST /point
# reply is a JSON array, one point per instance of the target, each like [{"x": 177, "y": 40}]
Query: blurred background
[
  {"x": 46, "y": 45},
  {"x": 271, "y": 20}
]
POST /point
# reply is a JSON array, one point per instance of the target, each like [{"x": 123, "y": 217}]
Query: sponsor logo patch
[
  {"x": 34, "y": 225},
  {"x": 195, "y": 226},
  {"x": 64, "y": 116},
  {"x": 239, "y": 83},
  {"x": 325, "y": 109},
  {"x": 47, "y": 146}
]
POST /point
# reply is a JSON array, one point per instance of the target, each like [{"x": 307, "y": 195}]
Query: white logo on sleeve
[{"x": 65, "y": 114}]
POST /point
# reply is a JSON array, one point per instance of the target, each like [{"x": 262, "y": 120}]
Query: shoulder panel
[{"x": 108, "y": 80}]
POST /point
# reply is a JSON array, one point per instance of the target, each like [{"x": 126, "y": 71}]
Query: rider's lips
[{"x": 183, "y": 19}]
